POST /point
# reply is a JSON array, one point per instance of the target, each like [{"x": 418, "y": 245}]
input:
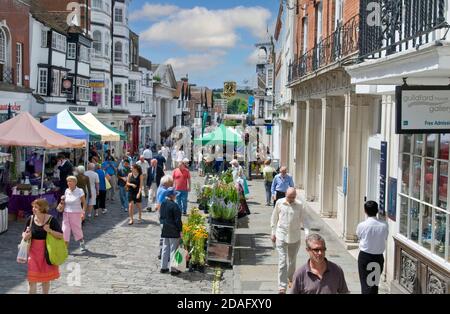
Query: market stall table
[{"x": 23, "y": 202}]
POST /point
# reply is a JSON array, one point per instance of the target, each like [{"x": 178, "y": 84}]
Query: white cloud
[
  {"x": 195, "y": 63},
  {"x": 153, "y": 12},
  {"x": 253, "y": 58},
  {"x": 201, "y": 28}
]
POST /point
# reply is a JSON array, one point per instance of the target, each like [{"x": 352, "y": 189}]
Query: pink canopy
[{"x": 24, "y": 130}]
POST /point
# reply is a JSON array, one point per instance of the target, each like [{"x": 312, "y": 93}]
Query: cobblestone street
[{"x": 124, "y": 259}]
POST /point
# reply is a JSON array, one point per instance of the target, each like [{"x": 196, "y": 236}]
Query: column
[
  {"x": 309, "y": 152},
  {"x": 356, "y": 124},
  {"x": 326, "y": 158}
]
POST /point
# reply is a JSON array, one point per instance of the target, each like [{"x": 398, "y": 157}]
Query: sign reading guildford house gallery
[{"x": 423, "y": 109}]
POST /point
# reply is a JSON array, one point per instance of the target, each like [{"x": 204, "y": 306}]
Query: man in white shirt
[
  {"x": 144, "y": 166},
  {"x": 286, "y": 223},
  {"x": 148, "y": 155},
  {"x": 372, "y": 235},
  {"x": 94, "y": 182}
]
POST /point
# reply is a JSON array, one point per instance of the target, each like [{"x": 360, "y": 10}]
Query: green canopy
[{"x": 222, "y": 135}]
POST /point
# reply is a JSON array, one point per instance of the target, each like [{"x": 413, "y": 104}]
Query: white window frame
[
  {"x": 84, "y": 54},
  {"x": 56, "y": 83},
  {"x": 71, "y": 51},
  {"x": 19, "y": 61},
  {"x": 3, "y": 46},
  {"x": 118, "y": 52},
  {"x": 97, "y": 43},
  {"x": 132, "y": 91},
  {"x": 42, "y": 81},
  {"x": 44, "y": 37},
  {"x": 94, "y": 6},
  {"x": 59, "y": 42},
  {"x": 118, "y": 94},
  {"x": 118, "y": 12}
]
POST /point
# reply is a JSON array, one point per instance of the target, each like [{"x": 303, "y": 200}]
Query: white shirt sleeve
[{"x": 274, "y": 219}]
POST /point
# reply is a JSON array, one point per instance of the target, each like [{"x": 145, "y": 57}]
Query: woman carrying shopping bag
[{"x": 36, "y": 229}]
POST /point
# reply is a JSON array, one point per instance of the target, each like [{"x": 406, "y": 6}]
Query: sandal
[{"x": 130, "y": 223}]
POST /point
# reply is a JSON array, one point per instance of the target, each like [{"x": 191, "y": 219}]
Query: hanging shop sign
[
  {"x": 67, "y": 85},
  {"x": 423, "y": 109}
]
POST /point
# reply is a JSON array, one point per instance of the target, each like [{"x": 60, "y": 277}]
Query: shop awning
[
  {"x": 90, "y": 122},
  {"x": 123, "y": 135},
  {"x": 24, "y": 130},
  {"x": 222, "y": 135},
  {"x": 4, "y": 157},
  {"x": 67, "y": 124}
]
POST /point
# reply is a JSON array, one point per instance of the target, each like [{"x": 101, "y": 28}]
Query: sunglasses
[{"x": 317, "y": 250}]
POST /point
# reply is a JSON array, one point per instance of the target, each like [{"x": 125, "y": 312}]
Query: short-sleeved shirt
[
  {"x": 102, "y": 180},
  {"x": 110, "y": 167},
  {"x": 332, "y": 282},
  {"x": 144, "y": 166},
  {"x": 122, "y": 172},
  {"x": 268, "y": 173},
  {"x": 181, "y": 179},
  {"x": 93, "y": 179},
  {"x": 38, "y": 232},
  {"x": 161, "y": 194},
  {"x": 73, "y": 200}
]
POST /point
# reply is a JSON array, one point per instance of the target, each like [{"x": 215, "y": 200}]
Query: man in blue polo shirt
[{"x": 281, "y": 183}]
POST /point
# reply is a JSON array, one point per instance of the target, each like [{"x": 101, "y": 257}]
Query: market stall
[
  {"x": 4, "y": 157},
  {"x": 25, "y": 131}
]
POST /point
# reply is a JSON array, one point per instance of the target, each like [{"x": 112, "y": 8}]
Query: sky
[{"x": 212, "y": 41}]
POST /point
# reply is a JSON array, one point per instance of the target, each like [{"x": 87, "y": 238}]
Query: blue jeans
[
  {"x": 123, "y": 197},
  {"x": 182, "y": 200}
]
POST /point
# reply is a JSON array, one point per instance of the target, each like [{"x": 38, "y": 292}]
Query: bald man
[
  {"x": 280, "y": 185},
  {"x": 286, "y": 224}
]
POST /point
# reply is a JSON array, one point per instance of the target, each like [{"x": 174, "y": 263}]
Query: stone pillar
[
  {"x": 355, "y": 146},
  {"x": 310, "y": 158},
  {"x": 326, "y": 165}
]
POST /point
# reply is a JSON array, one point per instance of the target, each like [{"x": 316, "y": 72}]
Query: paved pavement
[
  {"x": 256, "y": 266},
  {"x": 123, "y": 259},
  {"x": 120, "y": 259}
]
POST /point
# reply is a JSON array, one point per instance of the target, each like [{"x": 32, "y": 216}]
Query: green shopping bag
[{"x": 56, "y": 251}]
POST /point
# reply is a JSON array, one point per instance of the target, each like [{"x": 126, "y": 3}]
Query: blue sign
[
  {"x": 392, "y": 199},
  {"x": 251, "y": 100},
  {"x": 383, "y": 173}
]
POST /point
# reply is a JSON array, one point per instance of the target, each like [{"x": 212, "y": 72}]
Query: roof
[
  {"x": 145, "y": 63},
  {"x": 54, "y": 20},
  {"x": 155, "y": 67}
]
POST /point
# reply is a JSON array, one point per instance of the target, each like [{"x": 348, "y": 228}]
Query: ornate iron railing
[
  {"x": 340, "y": 44},
  {"x": 391, "y": 26}
]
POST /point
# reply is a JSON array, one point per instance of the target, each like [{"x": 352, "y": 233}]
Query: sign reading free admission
[{"x": 423, "y": 109}]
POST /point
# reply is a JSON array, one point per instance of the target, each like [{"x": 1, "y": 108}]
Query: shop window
[
  {"x": 406, "y": 143},
  {"x": 427, "y": 228},
  {"x": 418, "y": 144},
  {"x": 406, "y": 169},
  {"x": 444, "y": 141},
  {"x": 440, "y": 231},
  {"x": 404, "y": 216},
  {"x": 414, "y": 221},
  {"x": 416, "y": 177},
  {"x": 431, "y": 145},
  {"x": 97, "y": 95},
  {"x": 428, "y": 181},
  {"x": 442, "y": 168}
]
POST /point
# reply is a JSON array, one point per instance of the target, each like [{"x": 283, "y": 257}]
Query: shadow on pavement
[{"x": 94, "y": 254}]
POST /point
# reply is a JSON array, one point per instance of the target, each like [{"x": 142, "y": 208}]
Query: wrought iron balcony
[
  {"x": 340, "y": 44},
  {"x": 400, "y": 25}
]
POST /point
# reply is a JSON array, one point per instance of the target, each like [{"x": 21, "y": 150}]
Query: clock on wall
[{"x": 229, "y": 89}]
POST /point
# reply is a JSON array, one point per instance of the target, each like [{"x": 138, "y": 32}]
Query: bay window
[
  {"x": 118, "y": 52},
  {"x": 424, "y": 212},
  {"x": 117, "y": 94}
]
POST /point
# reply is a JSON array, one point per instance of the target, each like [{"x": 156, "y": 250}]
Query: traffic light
[{"x": 247, "y": 138}]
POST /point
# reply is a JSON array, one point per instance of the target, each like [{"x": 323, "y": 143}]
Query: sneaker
[
  {"x": 125, "y": 210},
  {"x": 89, "y": 215},
  {"x": 164, "y": 271},
  {"x": 104, "y": 211},
  {"x": 82, "y": 246}
]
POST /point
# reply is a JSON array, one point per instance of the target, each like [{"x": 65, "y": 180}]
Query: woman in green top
[{"x": 269, "y": 173}]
